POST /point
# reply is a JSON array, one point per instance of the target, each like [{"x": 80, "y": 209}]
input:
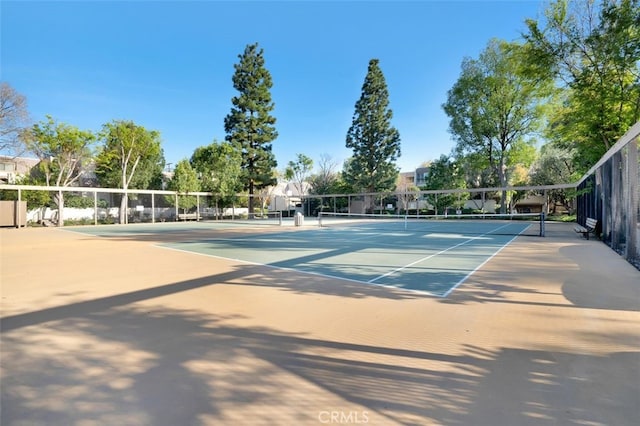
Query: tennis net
[
  {"x": 272, "y": 218},
  {"x": 530, "y": 224}
]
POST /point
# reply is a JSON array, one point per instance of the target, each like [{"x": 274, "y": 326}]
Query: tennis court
[
  {"x": 426, "y": 255},
  {"x": 157, "y": 324}
]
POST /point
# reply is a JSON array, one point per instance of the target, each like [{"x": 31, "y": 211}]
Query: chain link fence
[{"x": 610, "y": 193}]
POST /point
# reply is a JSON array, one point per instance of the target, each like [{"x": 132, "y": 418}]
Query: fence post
[{"x": 633, "y": 202}]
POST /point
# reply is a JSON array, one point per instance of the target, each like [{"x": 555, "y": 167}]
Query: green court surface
[
  {"x": 160, "y": 228},
  {"x": 428, "y": 262},
  {"x": 434, "y": 258}
]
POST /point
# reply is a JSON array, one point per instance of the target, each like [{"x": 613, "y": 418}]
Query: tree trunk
[
  {"x": 251, "y": 188},
  {"x": 503, "y": 183},
  {"x": 60, "y": 202},
  {"x": 123, "y": 201},
  {"x": 123, "y": 209}
]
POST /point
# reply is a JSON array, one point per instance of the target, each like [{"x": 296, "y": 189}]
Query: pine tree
[
  {"x": 249, "y": 125},
  {"x": 375, "y": 143}
]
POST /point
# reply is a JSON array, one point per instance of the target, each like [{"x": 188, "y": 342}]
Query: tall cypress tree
[
  {"x": 375, "y": 143},
  {"x": 249, "y": 125}
]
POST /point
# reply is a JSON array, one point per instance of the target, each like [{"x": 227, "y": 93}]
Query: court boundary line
[
  {"x": 459, "y": 283},
  {"x": 370, "y": 282},
  {"x": 419, "y": 260},
  {"x": 195, "y": 226},
  {"x": 251, "y": 238},
  {"x": 451, "y": 248},
  {"x": 317, "y": 274}
]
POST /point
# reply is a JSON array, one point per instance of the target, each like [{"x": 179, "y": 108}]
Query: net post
[
  {"x": 95, "y": 208},
  {"x": 542, "y": 215},
  {"x": 279, "y": 218}
]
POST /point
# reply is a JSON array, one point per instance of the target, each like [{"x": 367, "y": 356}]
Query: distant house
[
  {"x": 406, "y": 179},
  {"x": 531, "y": 204},
  {"x": 13, "y": 167},
  {"x": 286, "y": 196},
  {"x": 421, "y": 176},
  {"x": 417, "y": 177}
]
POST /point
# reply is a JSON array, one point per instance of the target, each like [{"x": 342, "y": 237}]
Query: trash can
[{"x": 298, "y": 219}]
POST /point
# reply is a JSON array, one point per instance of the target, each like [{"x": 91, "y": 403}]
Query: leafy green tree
[
  {"x": 374, "y": 141},
  {"x": 445, "y": 173},
  {"x": 477, "y": 169},
  {"x": 250, "y": 127},
  {"x": 64, "y": 151},
  {"x": 79, "y": 201},
  {"x": 494, "y": 108},
  {"x": 219, "y": 167},
  {"x": 592, "y": 50},
  {"x": 130, "y": 157},
  {"x": 184, "y": 181},
  {"x": 555, "y": 165},
  {"x": 298, "y": 171}
]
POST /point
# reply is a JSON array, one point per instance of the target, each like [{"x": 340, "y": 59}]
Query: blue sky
[{"x": 168, "y": 65}]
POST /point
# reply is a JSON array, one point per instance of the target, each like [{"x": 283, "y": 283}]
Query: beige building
[{"x": 13, "y": 167}]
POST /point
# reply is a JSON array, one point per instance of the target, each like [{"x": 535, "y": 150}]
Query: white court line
[
  {"x": 459, "y": 283},
  {"x": 372, "y": 281},
  {"x": 317, "y": 274},
  {"x": 439, "y": 253}
]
